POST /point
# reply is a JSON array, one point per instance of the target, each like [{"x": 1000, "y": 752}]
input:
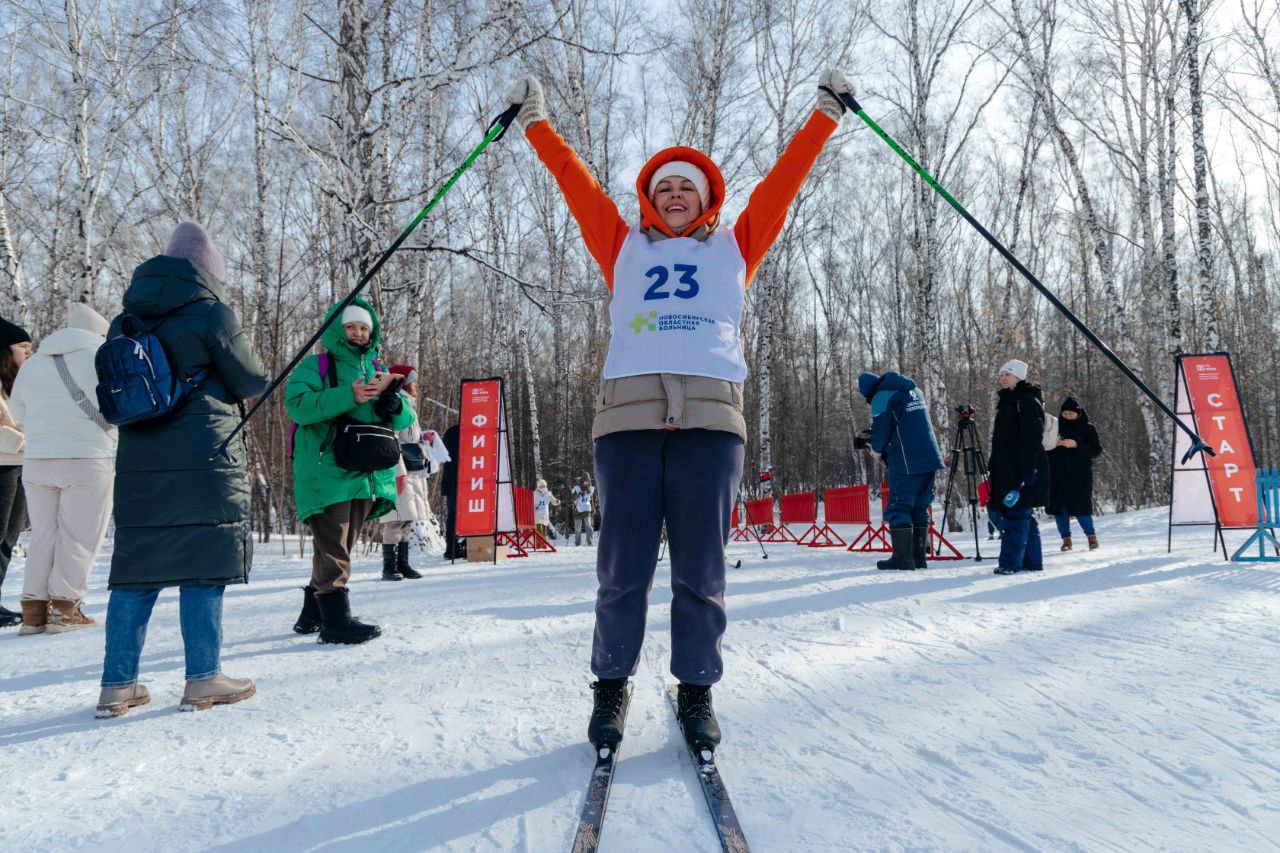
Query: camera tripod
[{"x": 967, "y": 449}]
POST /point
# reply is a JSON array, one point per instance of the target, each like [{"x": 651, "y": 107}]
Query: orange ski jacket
[{"x": 672, "y": 401}]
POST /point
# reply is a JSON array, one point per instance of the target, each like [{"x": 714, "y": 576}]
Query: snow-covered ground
[{"x": 1123, "y": 699}]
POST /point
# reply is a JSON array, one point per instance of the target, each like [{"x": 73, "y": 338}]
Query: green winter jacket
[{"x": 314, "y": 404}]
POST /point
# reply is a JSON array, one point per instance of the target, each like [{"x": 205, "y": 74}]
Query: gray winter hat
[{"x": 192, "y": 243}]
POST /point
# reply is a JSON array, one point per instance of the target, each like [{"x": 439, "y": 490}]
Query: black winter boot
[
  {"x": 337, "y": 624},
  {"x": 402, "y": 562},
  {"x": 608, "y": 712},
  {"x": 9, "y": 618},
  {"x": 309, "y": 619},
  {"x": 697, "y": 719},
  {"x": 900, "y": 538},
  {"x": 920, "y": 545},
  {"x": 389, "y": 572}
]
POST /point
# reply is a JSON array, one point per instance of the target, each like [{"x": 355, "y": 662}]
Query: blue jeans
[
  {"x": 1020, "y": 541},
  {"x": 909, "y": 498},
  {"x": 1064, "y": 522},
  {"x": 129, "y": 611}
]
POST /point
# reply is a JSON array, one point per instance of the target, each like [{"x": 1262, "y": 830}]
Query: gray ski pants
[{"x": 687, "y": 478}]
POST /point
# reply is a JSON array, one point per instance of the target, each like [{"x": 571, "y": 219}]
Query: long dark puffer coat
[
  {"x": 182, "y": 517},
  {"x": 1017, "y": 446},
  {"x": 1071, "y": 468}
]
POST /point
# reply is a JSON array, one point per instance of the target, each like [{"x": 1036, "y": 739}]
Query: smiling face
[
  {"x": 357, "y": 333},
  {"x": 677, "y": 202}
]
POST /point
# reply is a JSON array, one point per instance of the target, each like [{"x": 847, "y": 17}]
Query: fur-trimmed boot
[
  {"x": 1066, "y": 543},
  {"x": 35, "y": 616}
]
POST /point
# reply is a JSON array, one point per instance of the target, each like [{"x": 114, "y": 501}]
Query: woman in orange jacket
[{"x": 669, "y": 428}]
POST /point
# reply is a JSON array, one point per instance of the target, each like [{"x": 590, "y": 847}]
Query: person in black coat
[
  {"x": 1071, "y": 472},
  {"x": 449, "y": 488},
  {"x": 182, "y": 511},
  {"x": 1019, "y": 469}
]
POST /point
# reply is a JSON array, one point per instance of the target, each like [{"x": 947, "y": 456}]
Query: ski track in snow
[{"x": 1123, "y": 700}]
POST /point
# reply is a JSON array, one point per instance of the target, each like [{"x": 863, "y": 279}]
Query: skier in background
[
  {"x": 903, "y": 436},
  {"x": 543, "y": 501},
  {"x": 582, "y": 493},
  {"x": 669, "y": 427}
]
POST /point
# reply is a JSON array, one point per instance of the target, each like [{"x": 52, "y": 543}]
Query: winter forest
[{"x": 1127, "y": 150}]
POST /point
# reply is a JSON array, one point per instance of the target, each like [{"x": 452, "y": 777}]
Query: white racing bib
[{"x": 677, "y": 308}]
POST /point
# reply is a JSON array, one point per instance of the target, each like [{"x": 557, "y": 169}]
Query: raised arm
[
  {"x": 603, "y": 228},
  {"x": 766, "y": 211}
]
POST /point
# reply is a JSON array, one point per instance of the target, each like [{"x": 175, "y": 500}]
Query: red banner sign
[
  {"x": 1207, "y": 391},
  {"x": 479, "y": 442}
]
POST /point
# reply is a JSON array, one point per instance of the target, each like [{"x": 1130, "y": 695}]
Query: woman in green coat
[
  {"x": 182, "y": 512},
  {"x": 333, "y": 501}
]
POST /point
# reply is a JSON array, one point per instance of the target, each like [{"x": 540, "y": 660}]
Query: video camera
[
  {"x": 862, "y": 441},
  {"x": 965, "y": 411}
]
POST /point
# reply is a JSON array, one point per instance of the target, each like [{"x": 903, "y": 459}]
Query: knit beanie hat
[
  {"x": 1016, "y": 367},
  {"x": 1070, "y": 405},
  {"x": 81, "y": 316},
  {"x": 683, "y": 169},
  {"x": 409, "y": 374},
  {"x": 542, "y": 484},
  {"x": 11, "y": 333},
  {"x": 356, "y": 314},
  {"x": 191, "y": 242},
  {"x": 867, "y": 381}
]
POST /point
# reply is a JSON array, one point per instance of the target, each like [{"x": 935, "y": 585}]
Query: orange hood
[{"x": 649, "y": 216}]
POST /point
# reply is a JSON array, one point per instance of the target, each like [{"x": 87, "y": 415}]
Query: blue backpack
[{"x": 135, "y": 379}]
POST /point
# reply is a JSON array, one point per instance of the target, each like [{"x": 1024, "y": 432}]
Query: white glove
[
  {"x": 528, "y": 93},
  {"x": 833, "y": 79}
]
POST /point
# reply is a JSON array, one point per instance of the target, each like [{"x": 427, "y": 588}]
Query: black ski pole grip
[
  {"x": 505, "y": 119},
  {"x": 849, "y": 101}
]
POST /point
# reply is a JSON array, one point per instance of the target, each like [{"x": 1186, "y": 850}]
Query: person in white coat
[
  {"x": 543, "y": 501},
  {"x": 68, "y": 472},
  {"x": 412, "y": 502},
  {"x": 15, "y": 348}
]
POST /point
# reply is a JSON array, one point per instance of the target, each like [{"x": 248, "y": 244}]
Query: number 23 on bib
[{"x": 677, "y": 307}]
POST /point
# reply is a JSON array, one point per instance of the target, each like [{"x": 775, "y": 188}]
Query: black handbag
[
  {"x": 364, "y": 447},
  {"x": 415, "y": 458}
]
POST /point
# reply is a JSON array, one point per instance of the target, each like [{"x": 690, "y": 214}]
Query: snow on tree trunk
[
  {"x": 531, "y": 392},
  {"x": 82, "y": 283},
  {"x": 10, "y": 269}
]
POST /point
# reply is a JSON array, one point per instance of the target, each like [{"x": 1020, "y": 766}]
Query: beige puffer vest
[{"x": 669, "y": 400}]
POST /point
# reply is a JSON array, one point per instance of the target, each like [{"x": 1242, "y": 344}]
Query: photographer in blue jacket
[{"x": 903, "y": 436}]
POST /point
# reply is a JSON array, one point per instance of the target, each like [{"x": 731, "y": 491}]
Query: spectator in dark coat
[
  {"x": 903, "y": 436},
  {"x": 1071, "y": 472},
  {"x": 182, "y": 514},
  {"x": 1019, "y": 469},
  {"x": 449, "y": 488}
]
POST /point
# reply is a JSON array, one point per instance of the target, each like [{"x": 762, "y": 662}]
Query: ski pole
[
  {"x": 1197, "y": 444},
  {"x": 496, "y": 130}
]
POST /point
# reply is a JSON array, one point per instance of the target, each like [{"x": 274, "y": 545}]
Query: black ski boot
[
  {"x": 608, "y": 712},
  {"x": 389, "y": 572},
  {"x": 402, "y": 562},
  {"x": 697, "y": 719},
  {"x": 337, "y": 624},
  {"x": 901, "y": 539},
  {"x": 920, "y": 546},
  {"x": 309, "y": 619}
]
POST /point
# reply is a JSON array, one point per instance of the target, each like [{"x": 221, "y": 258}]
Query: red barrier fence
[
  {"x": 802, "y": 508},
  {"x": 526, "y": 539}
]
